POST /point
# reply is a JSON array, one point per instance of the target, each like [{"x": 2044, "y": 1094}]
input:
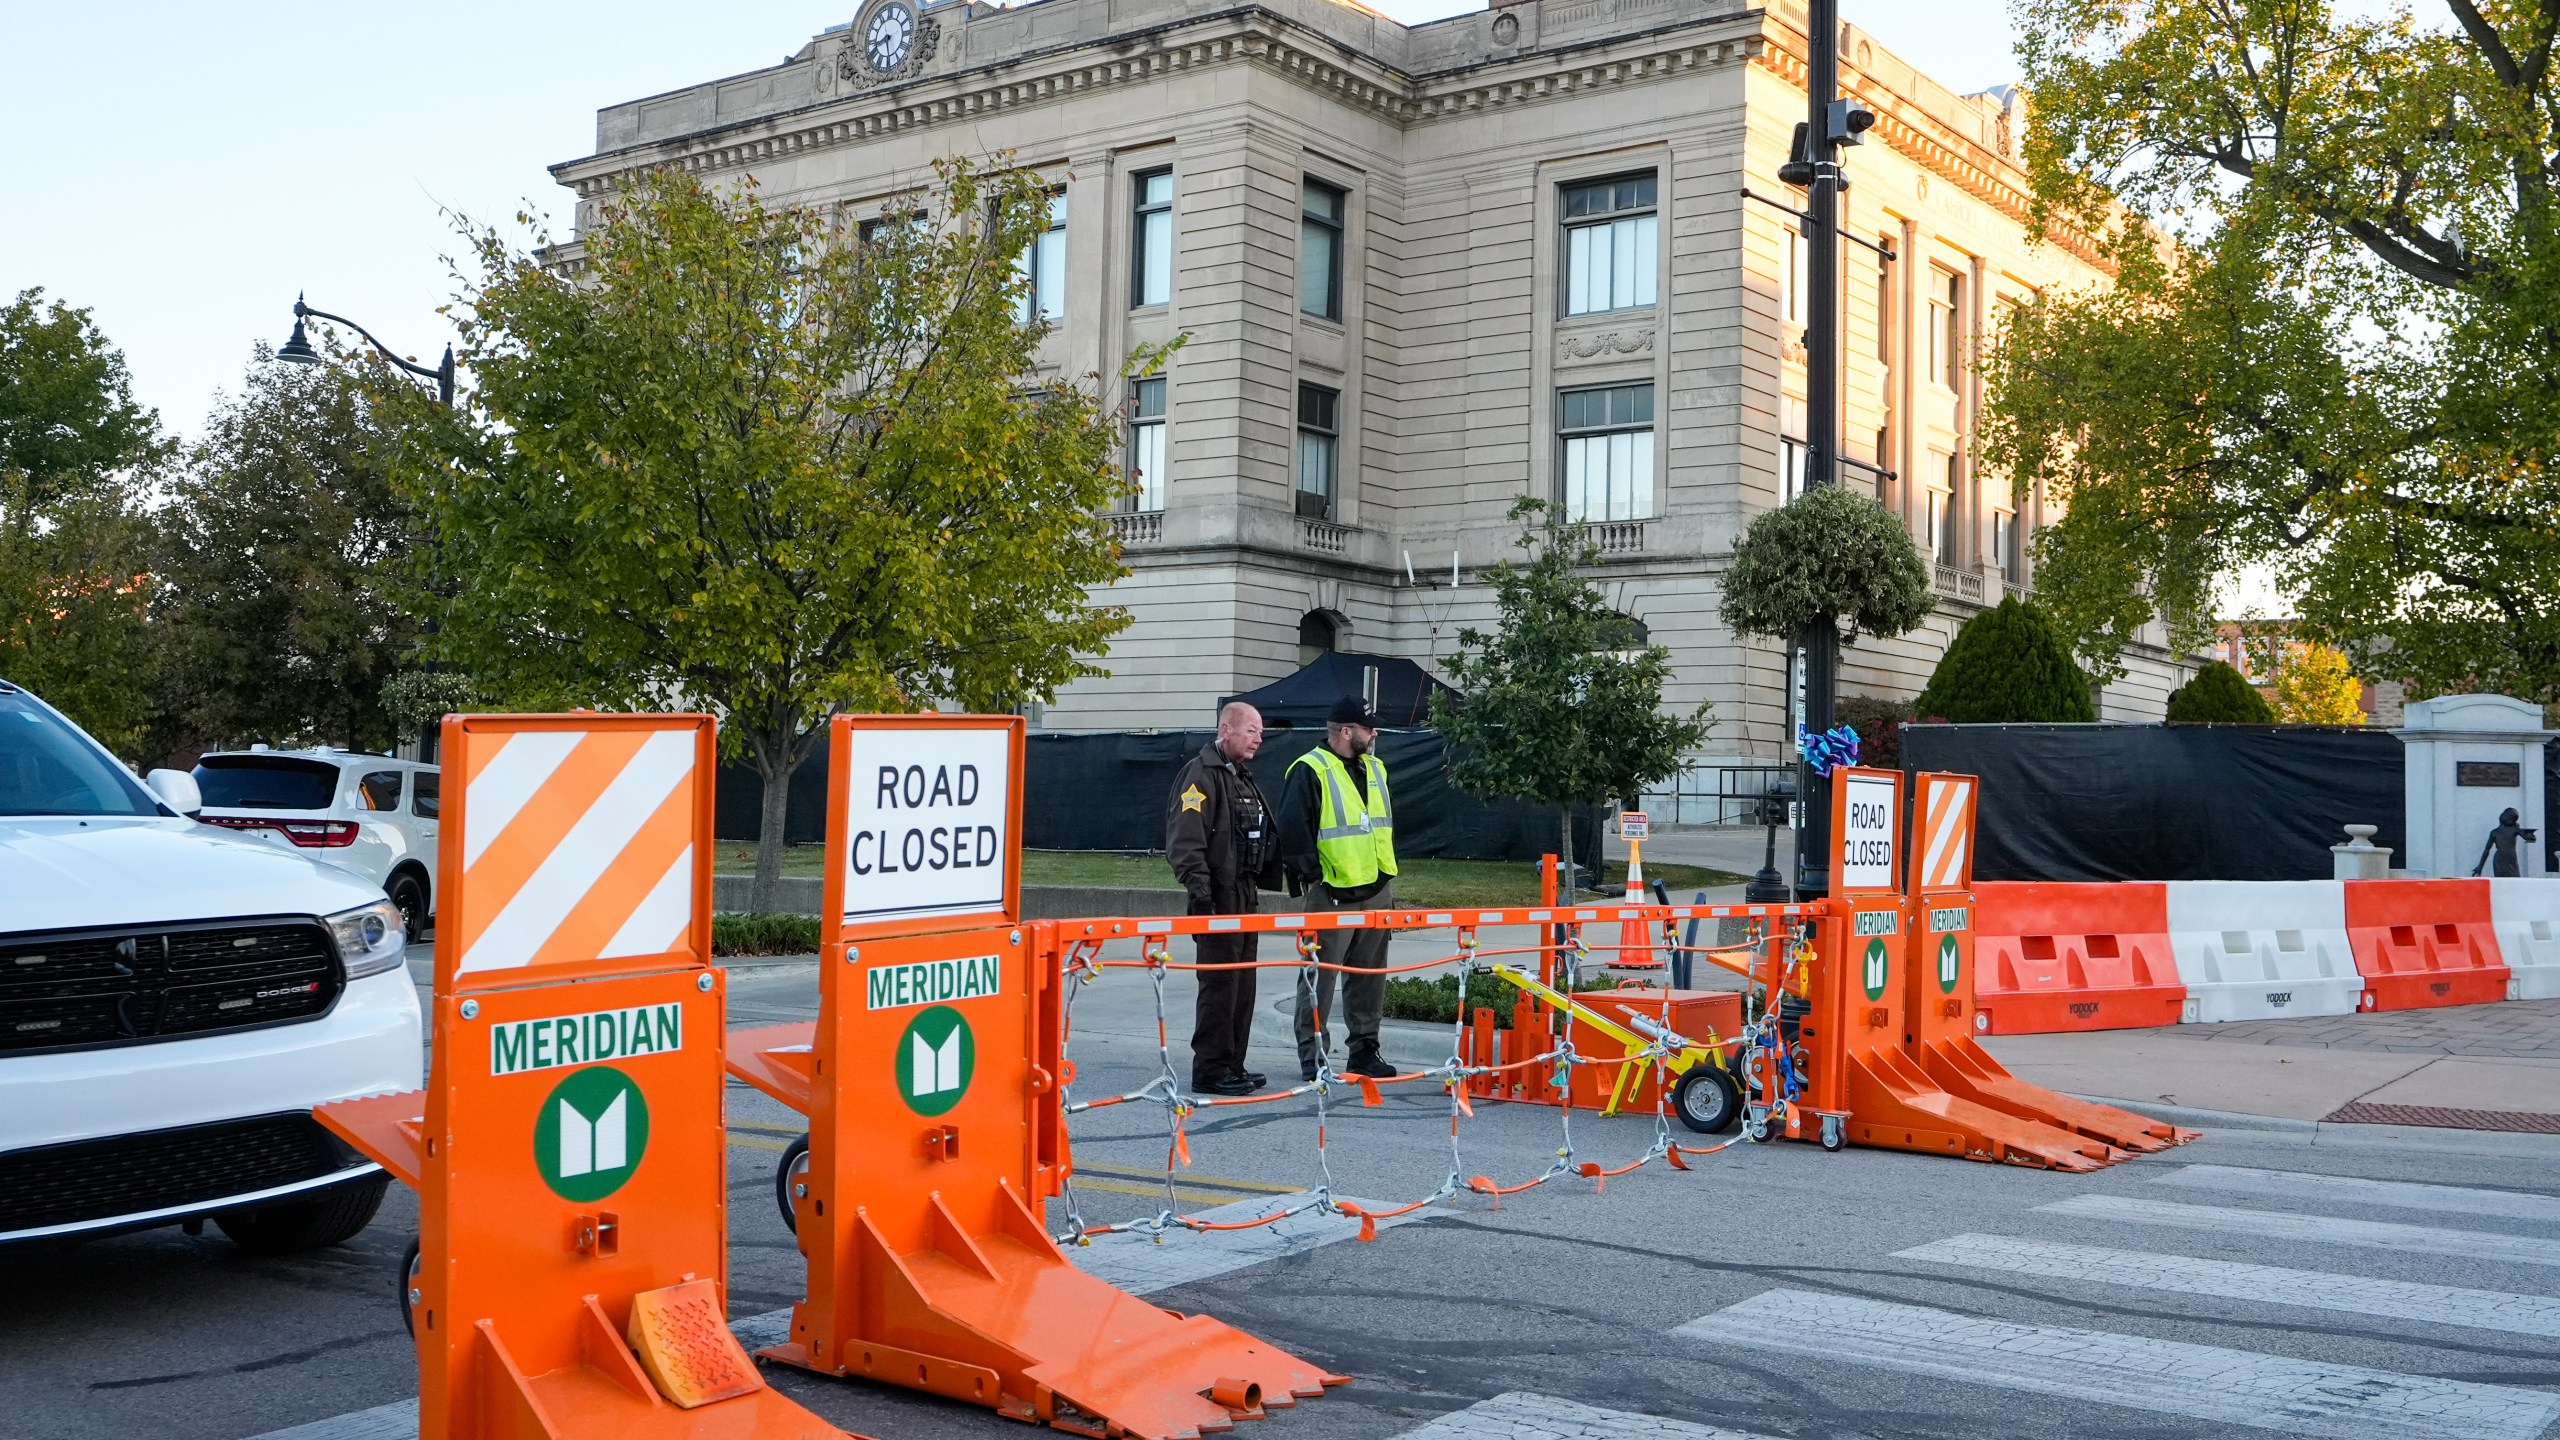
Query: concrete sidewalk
[{"x": 2502, "y": 1059}]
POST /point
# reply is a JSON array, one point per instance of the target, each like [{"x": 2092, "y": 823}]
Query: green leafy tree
[
  {"x": 77, "y": 456},
  {"x": 755, "y": 459},
  {"x": 1831, "y": 554},
  {"x": 2348, "y": 371},
  {"x": 1560, "y": 704},
  {"x": 2218, "y": 695},
  {"x": 280, "y": 617},
  {"x": 2007, "y": 666}
]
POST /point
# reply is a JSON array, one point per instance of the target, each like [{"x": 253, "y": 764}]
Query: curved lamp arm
[{"x": 441, "y": 374}]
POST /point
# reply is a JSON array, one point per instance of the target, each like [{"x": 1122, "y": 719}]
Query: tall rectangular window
[
  {"x": 1151, "y": 240},
  {"x": 1609, "y": 239},
  {"x": 1043, "y": 267},
  {"x": 1791, "y": 281},
  {"x": 1946, "y": 328},
  {"x": 2004, "y": 543},
  {"x": 1792, "y": 448},
  {"x": 1320, "y": 251},
  {"x": 1319, "y": 449},
  {"x": 1606, "y": 465},
  {"x": 1146, "y": 444}
]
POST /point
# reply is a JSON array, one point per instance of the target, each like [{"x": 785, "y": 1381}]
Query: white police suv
[{"x": 174, "y": 1000}]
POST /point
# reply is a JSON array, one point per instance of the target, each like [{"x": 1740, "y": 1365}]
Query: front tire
[
  {"x": 1707, "y": 1100},
  {"x": 787, "y": 1173},
  {"x": 331, "y": 1218},
  {"x": 409, "y": 893}
]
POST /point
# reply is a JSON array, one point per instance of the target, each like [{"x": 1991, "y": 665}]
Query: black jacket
[{"x": 1218, "y": 834}]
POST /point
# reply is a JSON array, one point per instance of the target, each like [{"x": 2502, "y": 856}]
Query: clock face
[{"x": 891, "y": 35}]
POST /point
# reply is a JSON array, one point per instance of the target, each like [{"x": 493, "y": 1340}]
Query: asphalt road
[{"x": 2372, "y": 1308}]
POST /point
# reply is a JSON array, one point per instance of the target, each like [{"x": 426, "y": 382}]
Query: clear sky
[{"x": 184, "y": 170}]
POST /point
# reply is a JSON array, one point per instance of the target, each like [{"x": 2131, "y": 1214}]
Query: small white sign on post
[
  {"x": 1634, "y": 825},
  {"x": 1870, "y": 825},
  {"x": 928, "y": 822}
]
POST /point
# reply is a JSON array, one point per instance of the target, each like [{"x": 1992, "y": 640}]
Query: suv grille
[
  {"x": 92, "y": 1180},
  {"x": 68, "y": 989}
]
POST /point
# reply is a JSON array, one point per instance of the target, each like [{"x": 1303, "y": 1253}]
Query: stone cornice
[
  {"x": 1249, "y": 35},
  {"x": 1960, "y": 162}
]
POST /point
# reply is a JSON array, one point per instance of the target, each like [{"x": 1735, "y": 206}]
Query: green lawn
[{"x": 1420, "y": 881}]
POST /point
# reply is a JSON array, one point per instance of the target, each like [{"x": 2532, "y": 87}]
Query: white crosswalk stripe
[
  {"x": 2205, "y": 1382},
  {"x": 1523, "y": 1416},
  {"x": 2269, "y": 1284},
  {"x": 2314, "y": 1229},
  {"x": 2347, "y": 1190}
]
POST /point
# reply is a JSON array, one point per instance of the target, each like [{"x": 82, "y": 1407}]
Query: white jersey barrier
[
  {"x": 2263, "y": 950},
  {"x": 2527, "y": 913}
]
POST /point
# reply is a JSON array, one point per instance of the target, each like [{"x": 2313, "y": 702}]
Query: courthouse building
[{"x": 1424, "y": 270}]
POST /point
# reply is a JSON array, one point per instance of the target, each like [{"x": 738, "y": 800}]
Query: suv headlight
[{"x": 370, "y": 938}]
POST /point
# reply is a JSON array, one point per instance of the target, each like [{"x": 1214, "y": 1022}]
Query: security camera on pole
[{"x": 1831, "y": 122}]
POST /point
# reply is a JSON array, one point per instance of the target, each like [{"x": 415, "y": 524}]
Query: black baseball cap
[{"x": 1351, "y": 710}]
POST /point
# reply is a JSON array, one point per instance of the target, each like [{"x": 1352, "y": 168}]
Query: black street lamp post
[
  {"x": 298, "y": 351},
  {"x": 1830, "y": 123}
]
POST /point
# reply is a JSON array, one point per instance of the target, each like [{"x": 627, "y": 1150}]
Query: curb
[{"x": 2206, "y": 1119}]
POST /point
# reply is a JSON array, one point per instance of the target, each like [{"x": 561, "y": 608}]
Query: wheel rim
[
  {"x": 412, "y": 906},
  {"x": 1703, "y": 1101}
]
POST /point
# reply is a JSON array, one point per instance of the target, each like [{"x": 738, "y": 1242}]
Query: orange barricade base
[{"x": 1938, "y": 986}]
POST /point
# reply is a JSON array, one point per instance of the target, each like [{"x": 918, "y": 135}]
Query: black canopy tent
[{"x": 1402, "y": 693}]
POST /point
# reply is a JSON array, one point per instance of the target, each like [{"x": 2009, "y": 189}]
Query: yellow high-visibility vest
[{"x": 1355, "y": 842}]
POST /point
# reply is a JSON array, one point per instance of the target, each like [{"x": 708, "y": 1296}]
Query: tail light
[{"x": 308, "y": 834}]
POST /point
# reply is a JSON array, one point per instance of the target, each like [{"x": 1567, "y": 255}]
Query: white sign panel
[
  {"x": 1868, "y": 833},
  {"x": 1634, "y": 825},
  {"x": 928, "y": 817}
]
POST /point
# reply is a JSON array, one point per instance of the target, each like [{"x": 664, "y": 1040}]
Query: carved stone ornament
[
  {"x": 2006, "y": 141},
  {"x": 1506, "y": 29},
  {"x": 1611, "y": 342},
  {"x": 854, "y": 63}
]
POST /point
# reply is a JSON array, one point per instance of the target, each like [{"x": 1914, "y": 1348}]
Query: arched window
[
  {"x": 1621, "y": 632},
  {"x": 1317, "y": 633}
]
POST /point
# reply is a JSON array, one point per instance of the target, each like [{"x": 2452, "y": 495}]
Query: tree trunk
[
  {"x": 1566, "y": 874},
  {"x": 773, "y": 758}
]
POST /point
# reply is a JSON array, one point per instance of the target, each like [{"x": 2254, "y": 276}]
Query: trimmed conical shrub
[
  {"x": 2219, "y": 695},
  {"x": 2007, "y": 666}
]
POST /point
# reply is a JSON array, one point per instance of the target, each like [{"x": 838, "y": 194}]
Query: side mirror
[{"x": 176, "y": 789}]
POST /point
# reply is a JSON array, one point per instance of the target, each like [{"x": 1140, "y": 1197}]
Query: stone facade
[{"x": 1462, "y": 152}]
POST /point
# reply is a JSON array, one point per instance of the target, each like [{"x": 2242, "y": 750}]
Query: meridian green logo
[
  {"x": 592, "y": 1131},
  {"x": 1875, "y": 970},
  {"x": 934, "y": 1060},
  {"x": 1947, "y": 964}
]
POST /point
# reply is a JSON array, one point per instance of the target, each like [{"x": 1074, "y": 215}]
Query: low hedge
[
  {"x": 1435, "y": 1001},
  {"x": 735, "y": 933}
]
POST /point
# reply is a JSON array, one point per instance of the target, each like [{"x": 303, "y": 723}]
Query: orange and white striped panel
[
  {"x": 576, "y": 845},
  {"x": 1946, "y": 831}
]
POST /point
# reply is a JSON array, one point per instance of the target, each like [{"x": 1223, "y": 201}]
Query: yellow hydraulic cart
[{"x": 1705, "y": 1096}]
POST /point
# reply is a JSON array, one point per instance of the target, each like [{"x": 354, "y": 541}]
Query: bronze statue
[{"x": 2502, "y": 843}]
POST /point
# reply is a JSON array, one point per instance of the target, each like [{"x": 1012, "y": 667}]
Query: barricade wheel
[
  {"x": 1835, "y": 1132},
  {"x": 787, "y": 1173},
  {"x": 404, "y": 1288},
  {"x": 1707, "y": 1100}
]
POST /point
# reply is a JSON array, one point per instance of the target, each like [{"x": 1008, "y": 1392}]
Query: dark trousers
[
  {"x": 1222, "y": 1018},
  {"x": 1364, "y": 988}
]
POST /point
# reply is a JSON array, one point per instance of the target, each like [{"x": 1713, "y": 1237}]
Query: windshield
[
  {"x": 49, "y": 768},
  {"x": 266, "y": 782}
]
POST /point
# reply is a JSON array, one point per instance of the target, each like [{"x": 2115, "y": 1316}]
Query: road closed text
[{"x": 928, "y": 819}]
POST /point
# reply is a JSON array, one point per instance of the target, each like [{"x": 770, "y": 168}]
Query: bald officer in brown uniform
[{"x": 1217, "y": 833}]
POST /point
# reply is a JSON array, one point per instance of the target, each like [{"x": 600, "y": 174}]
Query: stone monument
[{"x": 2467, "y": 758}]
